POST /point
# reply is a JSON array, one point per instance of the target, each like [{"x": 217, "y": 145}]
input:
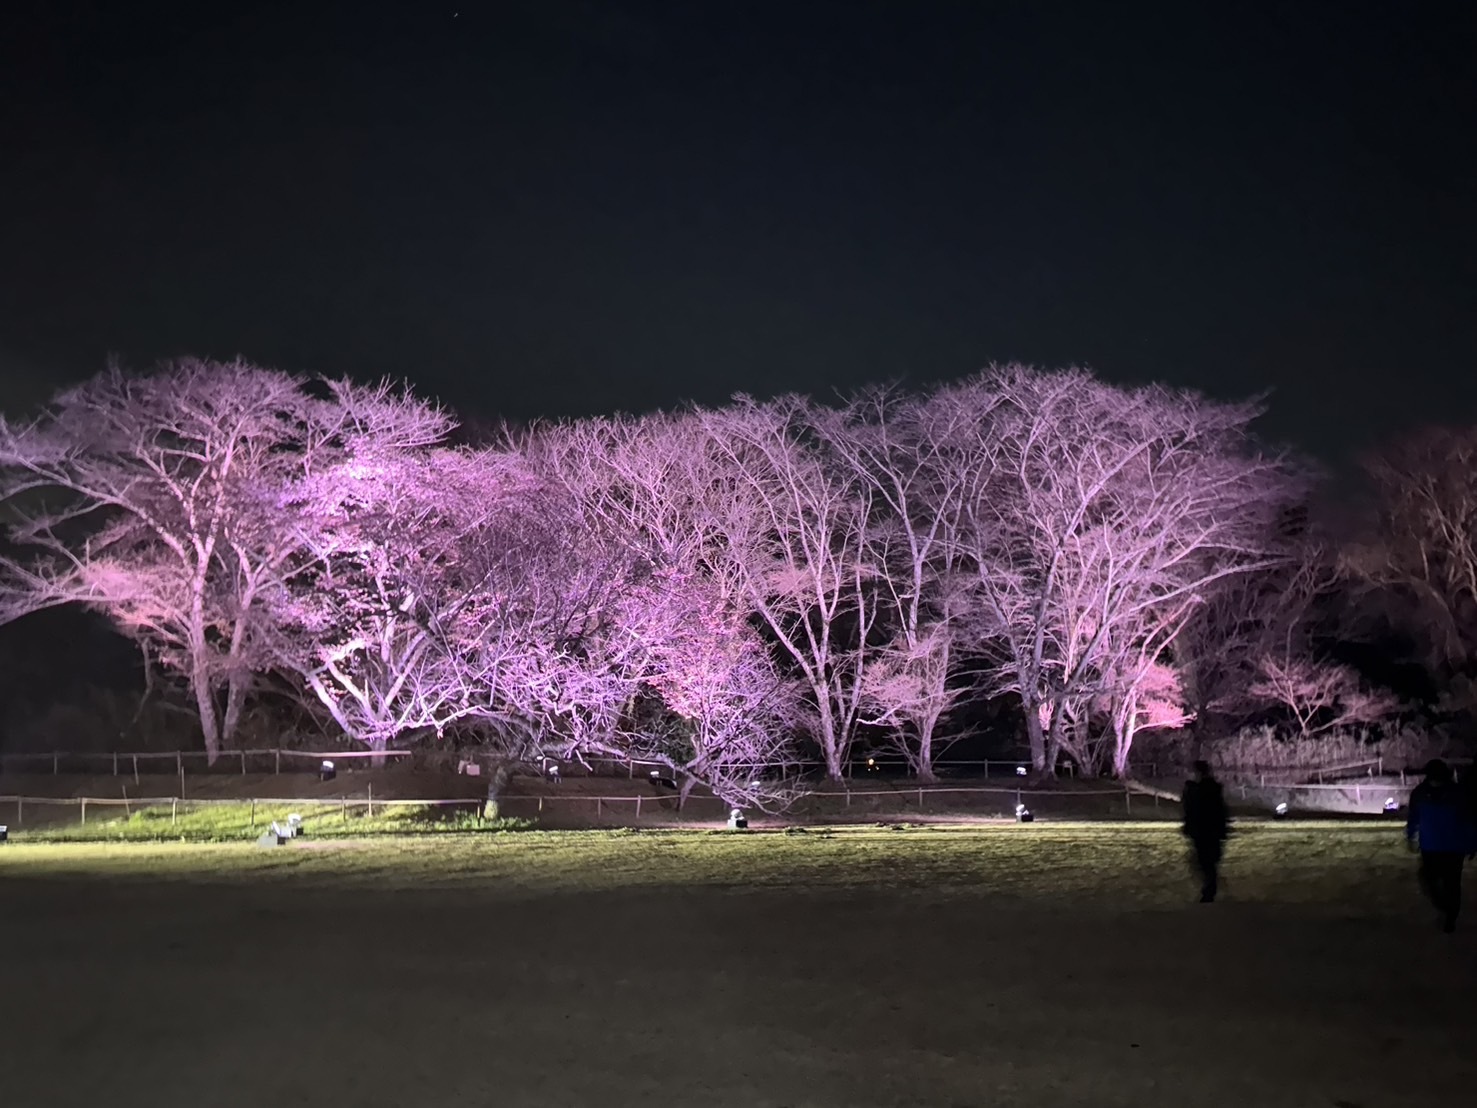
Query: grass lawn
[
  {"x": 235, "y": 821},
  {"x": 1041, "y": 965}
]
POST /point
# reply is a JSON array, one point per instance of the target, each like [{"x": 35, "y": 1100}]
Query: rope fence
[
  {"x": 180, "y": 762},
  {"x": 122, "y": 764},
  {"x": 702, "y": 805},
  {"x": 633, "y": 804}
]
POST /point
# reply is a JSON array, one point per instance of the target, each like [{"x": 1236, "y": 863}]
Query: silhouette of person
[
  {"x": 1440, "y": 823},
  {"x": 1207, "y": 824}
]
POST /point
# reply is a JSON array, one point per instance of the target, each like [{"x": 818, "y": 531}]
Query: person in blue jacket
[{"x": 1441, "y": 823}]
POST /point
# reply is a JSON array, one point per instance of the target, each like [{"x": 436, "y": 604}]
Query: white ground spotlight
[
  {"x": 326, "y": 772},
  {"x": 1023, "y": 814},
  {"x": 295, "y": 826},
  {"x": 1391, "y": 805},
  {"x": 4, "y": 833},
  {"x": 1281, "y": 810},
  {"x": 1020, "y": 771},
  {"x": 736, "y": 820}
]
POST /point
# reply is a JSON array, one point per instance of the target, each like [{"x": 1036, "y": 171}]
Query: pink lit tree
[
  {"x": 452, "y": 586},
  {"x": 728, "y": 710},
  {"x": 908, "y": 453},
  {"x": 1100, "y": 519},
  {"x": 1317, "y": 695},
  {"x": 153, "y": 499},
  {"x": 792, "y": 542}
]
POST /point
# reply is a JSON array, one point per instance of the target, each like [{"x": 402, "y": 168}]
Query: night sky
[{"x": 561, "y": 208}]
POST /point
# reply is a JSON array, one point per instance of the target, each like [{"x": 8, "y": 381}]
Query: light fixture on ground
[
  {"x": 1391, "y": 805},
  {"x": 326, "y": 772},
  {"x": 4, "y": 833},
  {"x": 1023, "y": 814},
  {"x": 1281, "y": 810},
  {"x": 664, "y": 782},
  {"x": 1020, "y": 771},
  {"x": 295, "y": 825},
  {"x": 736, "y": 820}
]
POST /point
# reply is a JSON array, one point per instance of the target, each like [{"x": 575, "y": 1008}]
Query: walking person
[
  {"x": 1440, "y": 824},
  {"x": 1207, "y": 824}
]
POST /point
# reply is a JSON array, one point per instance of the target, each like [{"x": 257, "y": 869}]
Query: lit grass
[
  {"x": 244, "y": 821},
  {"x": 1045, "y": 965},
  {"x": 1125, "y": 865}
]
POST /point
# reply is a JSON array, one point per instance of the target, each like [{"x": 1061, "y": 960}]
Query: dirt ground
[{"x": 1004, "y": 967}]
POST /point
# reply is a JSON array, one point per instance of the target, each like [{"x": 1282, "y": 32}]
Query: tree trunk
[
  {"x": 205, "y": 704},
  {"x": 199, "y": 659},
  {"x": 1035, "y": 737},
  {"x": 830, "y": 744},
  {"x": 924, "y": 761},
  {"x": 235, "y": 702},
  {"x": 1123, "y": 734}
]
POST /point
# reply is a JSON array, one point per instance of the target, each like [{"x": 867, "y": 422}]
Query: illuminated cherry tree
[
  {"x": 906, "y": 451},
  {"x": 153, "y": 499},
  {"x": 1100, "y": 519},
  {"x": 728, "y": 715},
  {"x": 1319, "y": 696}
]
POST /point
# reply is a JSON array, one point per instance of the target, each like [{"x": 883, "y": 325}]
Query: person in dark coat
[
  {"x": 1440, "y": 824},
  {"x": 1207, "y": 824}
]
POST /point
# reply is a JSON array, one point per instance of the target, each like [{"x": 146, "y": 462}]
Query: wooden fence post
[
  {"x": 371, "y": 800},
  {"x": 599, "y": 807},
  {"x": 253, "y": 814},
  {"x": 920, "y": 798},
  {"x": 84, "y": 811},
  {"x": 19, "y": 810},
  {"x": 173, "y": 810},
  {"x": 638, "y": 806},
  {"x": 115, "y": 763},
  {"x": 56, "y": 760},
  {"x": 278, "y": 766},
  {"x": 179, "y": 764},
  {"x": 243, "y": 763},
  {"x": 344, "y": 809},
  {"x": 135, "y": 769}
]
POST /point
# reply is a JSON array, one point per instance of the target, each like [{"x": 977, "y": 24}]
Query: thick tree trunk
[
  {"x": 1035, "y": 737},
  {"x": 205, "y": 704},
  {"x": 923, "y": 764},
  {"x": 199, "y": 660},
  {"x": 235, "y": 703},
  {"x": 829, "y": 740},
  {"x": 1123, "y": 733}
]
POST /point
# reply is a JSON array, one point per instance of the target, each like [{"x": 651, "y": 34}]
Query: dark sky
[{"x": 559, "y": 207}]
